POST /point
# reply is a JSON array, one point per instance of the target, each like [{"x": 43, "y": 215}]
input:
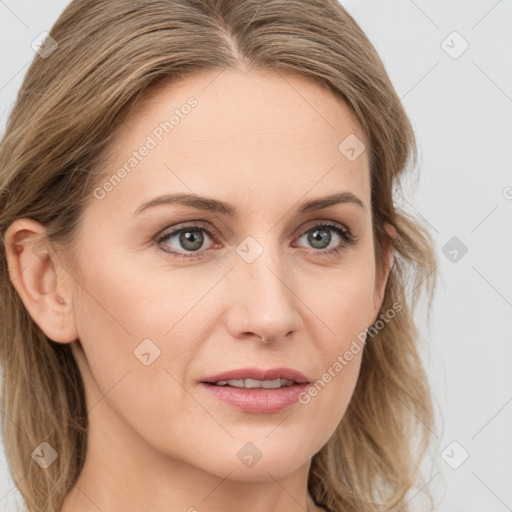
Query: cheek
[
  {"x": 115, "y": 315},
  {"x": 342, "y": 307},
  {"x": 119, "y": 299},
  {"x": 139, "y": 323},
  {"x": 119, "y": 321}
]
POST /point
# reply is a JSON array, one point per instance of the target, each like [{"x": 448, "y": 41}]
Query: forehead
[{"x": 237, "y": 133}]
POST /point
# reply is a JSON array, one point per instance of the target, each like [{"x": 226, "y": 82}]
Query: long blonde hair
[{"x": 110, "y": 53}]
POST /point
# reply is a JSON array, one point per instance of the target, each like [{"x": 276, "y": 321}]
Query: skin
[{"x": 263, "y": 141}]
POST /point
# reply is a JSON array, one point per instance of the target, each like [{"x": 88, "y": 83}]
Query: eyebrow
[{"x": 213, "y": 205}]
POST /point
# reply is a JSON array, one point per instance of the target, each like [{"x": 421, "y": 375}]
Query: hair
[{"x": 110, "y": 54}]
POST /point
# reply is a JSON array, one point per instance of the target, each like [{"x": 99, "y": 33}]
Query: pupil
[
  {"x": 188, "y": 242},
  {"x": 323, "y": 239}
]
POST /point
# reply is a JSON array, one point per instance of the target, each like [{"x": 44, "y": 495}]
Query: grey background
[{"x": 461, "y": 109}]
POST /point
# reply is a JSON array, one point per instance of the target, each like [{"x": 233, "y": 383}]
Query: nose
[{"x": 264, "y": 302}]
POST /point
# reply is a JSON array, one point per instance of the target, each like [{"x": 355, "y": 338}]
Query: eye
[
  {"x": 320, "y": 237},
  {"x": 190, "y": 239}
]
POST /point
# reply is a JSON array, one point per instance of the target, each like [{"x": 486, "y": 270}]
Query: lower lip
[{"x": 257, "y": 400}]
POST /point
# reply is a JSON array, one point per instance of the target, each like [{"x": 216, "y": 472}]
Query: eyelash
[{"x": 344, "y": 233}]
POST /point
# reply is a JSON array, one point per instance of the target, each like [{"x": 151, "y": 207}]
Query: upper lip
[{"x": 259, "y": 374}]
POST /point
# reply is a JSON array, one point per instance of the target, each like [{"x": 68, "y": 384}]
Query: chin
[
  {"x": 261, "y": 458},
  {"x": 266, "y": 469}
]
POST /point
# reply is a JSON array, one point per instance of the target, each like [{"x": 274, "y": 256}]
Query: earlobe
[{"x": 34, "y": 271}]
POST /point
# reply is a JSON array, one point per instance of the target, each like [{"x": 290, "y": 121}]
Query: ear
[
  {"x": 383, "y": 269},
  {"x": 35, "y": 272}
]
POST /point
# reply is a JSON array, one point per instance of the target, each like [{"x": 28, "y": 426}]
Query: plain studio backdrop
[{"x": 450, "y": 64}]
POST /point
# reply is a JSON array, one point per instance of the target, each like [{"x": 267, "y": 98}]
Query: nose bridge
[
  {"x": 261, "y": 263},
  {"x": 264, "y": 291}
]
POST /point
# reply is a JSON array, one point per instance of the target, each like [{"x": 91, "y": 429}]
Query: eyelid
[
  {"x": 321, "y": 222},
  {"x": 163, "y": 233}
]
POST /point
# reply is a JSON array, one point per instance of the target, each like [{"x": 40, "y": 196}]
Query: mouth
[
  {"x": 254, "y": 383},
  {"x": 258, "y": 377},
  {"x": 254, "y": 390}
]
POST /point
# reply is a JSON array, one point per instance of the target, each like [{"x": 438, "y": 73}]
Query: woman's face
[{"x": 251, "y": 283}]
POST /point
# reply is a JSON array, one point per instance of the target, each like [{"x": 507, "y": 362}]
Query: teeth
[
  {"x": 238, "y": 383},
  {"x": 252, "y": 383}
]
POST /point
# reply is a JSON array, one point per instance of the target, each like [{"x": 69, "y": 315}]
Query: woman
[{"x": 203, "y": 276}]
